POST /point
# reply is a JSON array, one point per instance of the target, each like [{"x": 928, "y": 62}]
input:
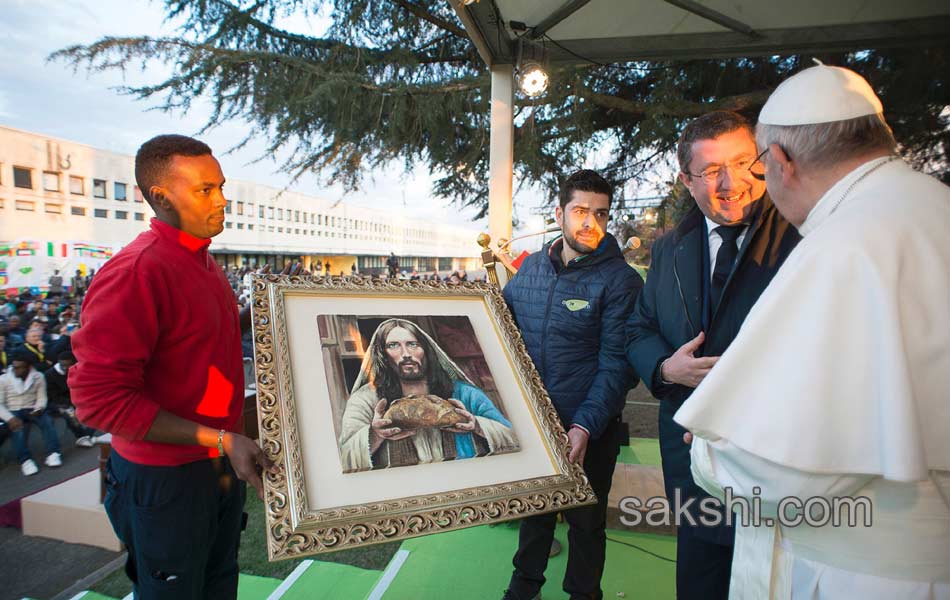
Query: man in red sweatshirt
[{"x": 160, "y": 369}]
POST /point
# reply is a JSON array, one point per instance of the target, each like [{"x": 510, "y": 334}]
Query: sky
[{"x": 49, "y": 98}]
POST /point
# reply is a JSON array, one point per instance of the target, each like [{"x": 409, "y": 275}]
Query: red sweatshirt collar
[{"x": 177, "y": 236}]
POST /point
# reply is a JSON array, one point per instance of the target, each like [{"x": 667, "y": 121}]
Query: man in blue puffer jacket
[{"x": 570, "y": 301}]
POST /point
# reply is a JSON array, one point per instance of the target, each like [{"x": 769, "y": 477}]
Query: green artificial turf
[
  {"x": 332, "y": 581},
  {"x": 475, "y": 564},
  {"x": 641, "y": 451}
]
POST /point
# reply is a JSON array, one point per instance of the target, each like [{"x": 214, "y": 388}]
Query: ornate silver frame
[{"x": 294, "y": 530}]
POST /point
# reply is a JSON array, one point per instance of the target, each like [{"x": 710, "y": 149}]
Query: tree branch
[{"x": 431, "y": 18}]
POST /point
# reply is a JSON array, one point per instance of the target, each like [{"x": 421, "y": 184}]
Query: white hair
[{"x": 825, "y": 144}]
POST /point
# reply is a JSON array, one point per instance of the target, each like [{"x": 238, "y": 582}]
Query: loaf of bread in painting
[{"x": 417, "y": 412}]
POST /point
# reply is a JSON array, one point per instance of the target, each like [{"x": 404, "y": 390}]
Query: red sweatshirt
[{"x": 160, "y": 329}]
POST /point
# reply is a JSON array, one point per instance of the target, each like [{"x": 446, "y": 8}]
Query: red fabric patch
[
  {"x": 516, "y": 263},
  {"x": 217, "y": 396}
]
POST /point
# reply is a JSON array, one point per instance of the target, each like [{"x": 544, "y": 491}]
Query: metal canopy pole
[
  {"x": 556, "y": 17},
  {"x": 501, "y": 152},
  {"x": 713, "y": 15}
]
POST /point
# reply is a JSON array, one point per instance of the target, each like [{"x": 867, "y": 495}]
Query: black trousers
[
  {"x": 68, "y": 414},
  {"x": 586, "y": 536},
  {"x": 703, "y": 567},
  {"x": 181, "y": 525}
]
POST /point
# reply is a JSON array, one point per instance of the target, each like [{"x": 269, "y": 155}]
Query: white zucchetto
[{"x": 820, "y": 94}]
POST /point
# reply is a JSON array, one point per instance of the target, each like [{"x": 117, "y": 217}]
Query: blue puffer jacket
[{"x": 572, "y": 322}]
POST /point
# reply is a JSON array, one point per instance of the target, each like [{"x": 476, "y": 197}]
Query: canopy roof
[{"x": 627, "y": 30}]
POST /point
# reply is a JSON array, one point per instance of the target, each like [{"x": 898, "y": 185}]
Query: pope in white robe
[{"x": 838, "y": 384}]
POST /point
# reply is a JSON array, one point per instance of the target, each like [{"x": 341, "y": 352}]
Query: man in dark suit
[{"x": 705, "y": 276}]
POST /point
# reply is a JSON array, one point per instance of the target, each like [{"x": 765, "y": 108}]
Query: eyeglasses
[{"x": 753, "y": 166}]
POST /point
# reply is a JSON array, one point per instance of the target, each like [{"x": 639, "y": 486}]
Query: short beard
[
  {"x": 416, "y": 376},
  {"x": 575, "y": 245}
]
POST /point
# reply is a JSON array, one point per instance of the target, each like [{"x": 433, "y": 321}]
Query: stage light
[
  {"x": 533, "y": 80},
  {"x": 532, "y": 76}
]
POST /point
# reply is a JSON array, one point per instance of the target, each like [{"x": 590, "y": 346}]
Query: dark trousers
[
  {"x": 44, "y": 422},
  {"x": 181, "y": 525},
  {"x": 703, "y": 554},
  {"x": 68, "y": 414},
  {"x": 702, "y": 567},
  {"x": 586, "y": 536}
]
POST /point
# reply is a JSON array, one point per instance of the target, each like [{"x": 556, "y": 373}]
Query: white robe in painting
[
  {"x": 838, "y": 384},
  {"x": 428, "y": 443}
]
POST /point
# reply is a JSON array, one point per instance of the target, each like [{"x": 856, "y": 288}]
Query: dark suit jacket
[{"x": 673, "y": 308}]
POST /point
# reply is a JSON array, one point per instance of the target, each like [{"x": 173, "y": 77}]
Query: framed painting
[{"x": 395, "y": 409}]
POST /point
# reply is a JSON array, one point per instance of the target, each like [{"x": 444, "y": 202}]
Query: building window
[
  {"x": 250, "y": 225},
  {"x": 137, "y": 194},
  {"x": 228, "y": 224},
  {"x": 120, "y": 191},
  {"x": 260, "y": 211},
  {"x": 270, "y": 212},
  {"x": 50, "y": 181},
  {"x": 121, "y": 215},
  {"x": 139, "y": 216},
  {"x": 76, "y": 185},
  {"x": 53, "y": 209},
  {"x": 280, "y": 214},
  {"x": 240, "y": 209},
  {"x": 100, "y": 213},
  {"x": 280, "y": 230},
  {"x": 319, "y": 219},
  {"x": 227, "y": 207},
  {"x": 99, "y": 188},
  {"x": 250, "y": 209},
  {"x": 24, "y": 205},
  {"x": 240, "y": 225},
  {"x": 23, "y": 178},
  {"x": 297, "y": 216}
]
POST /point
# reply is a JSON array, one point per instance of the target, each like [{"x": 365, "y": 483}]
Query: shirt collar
[
  {"x": 21, "y": 385},
  {"x": 177, "y": 236},
  {"x": 835, "y": 195},
  {"x": 712, "y": 225}
]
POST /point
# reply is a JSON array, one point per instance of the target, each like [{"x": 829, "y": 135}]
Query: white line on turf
[
  {"x": 290, "y": 580},
  {"x": 388, "y": 575}
]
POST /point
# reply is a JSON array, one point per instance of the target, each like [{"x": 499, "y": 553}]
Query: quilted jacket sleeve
[{"x": 614, "y": 377}]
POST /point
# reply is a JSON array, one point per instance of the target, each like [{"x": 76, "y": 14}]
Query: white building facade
[{"x": 68, "y": 206}]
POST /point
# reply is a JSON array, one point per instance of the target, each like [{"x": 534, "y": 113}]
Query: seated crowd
[{"x": 35, "y": 358}]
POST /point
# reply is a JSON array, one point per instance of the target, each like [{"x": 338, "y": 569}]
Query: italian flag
[{"x": 51, "y": 249}]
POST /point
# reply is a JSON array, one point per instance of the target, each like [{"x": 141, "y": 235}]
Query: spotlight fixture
[{"x": 533, "y": 78}]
